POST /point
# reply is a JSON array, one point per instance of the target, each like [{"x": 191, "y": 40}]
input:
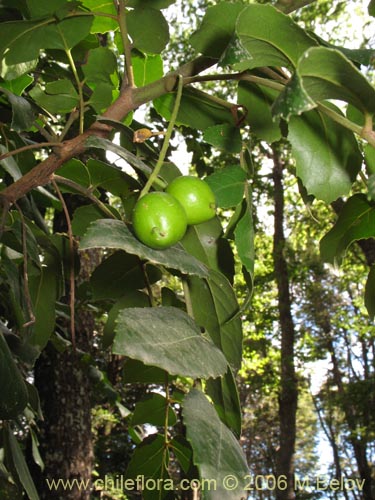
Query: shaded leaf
[
  {"x": 137, "y": 372},
  {"x": 151, "y": 410},
  {"x": 244, "y": 238},
  {"x": 101, "y": 24},
  {"x": 59, "y": 96},
  {"x": 216, "y": 452},
  {"x": 370, "y": 293},
  {"x": 356, "y": 221},
  {"x": 23, "y": 114},
  {"x": 216, "y": 30},
  {"x": 225, "y": 137},
  {"x": 327, "y": 155},
  {"x": 148, "y": 29},
  {"x": 13, "y": 394},
  {"x": 168, "y": 338},
  {"x": 108, "y": 233}
]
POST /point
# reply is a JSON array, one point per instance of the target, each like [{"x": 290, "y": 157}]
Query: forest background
[{"x": 289, "y": 300}]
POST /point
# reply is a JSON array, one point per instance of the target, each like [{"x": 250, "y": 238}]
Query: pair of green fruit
[{"x": 160, "y": 218}]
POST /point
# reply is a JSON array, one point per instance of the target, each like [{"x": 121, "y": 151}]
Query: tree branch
[{"x": 288, "y": 6}]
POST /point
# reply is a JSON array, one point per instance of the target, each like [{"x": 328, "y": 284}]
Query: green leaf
[
  {"x": 22, "y": 40},
  {"x": 216, "y": 452},
  {"x": 224, "y": 394},
  {"x": 327, "y": 155},
  {"x": 244, "y": 238},
  {"x": 168, "y": 338},
  {"x": 215, "y": 308},
  {"x": 205, "y": 242},
  {"x": 99, "y": 66},
  {"x": 216, "y": 30},
  {"x": 328, "y": 74},
  {"x": 225, "y": 137},
  {"x": 148, "y": 29},
  {"x": 17, "y": 85},
  {"x": 38, "y": 8},
  {"x": 148, "y": 460},
  {"x": 13, "y": 72},
  {"x": 370, "y": 293},
  {"x": 371, "y": 8},
  {"x": 102, "y": 96},
  {"x": 133, "y": 298},
  {"x": 83, "y": 217},
  {"x": 155, "y": 4},
  {"x": 258, "y": 101},
  {"x": 118, "y": 274},
  {"x": 151, "y": 410},
  {"x": 196, "y": 110},
  {"x": 356, "y": 221},
  {"x": 108, "y": 233},
  {"x": 43, "y": 291},
  {"x": 369, "y": 152},
  {"x": 102, "y": 24},
  {"x": 137, "y": 372},
  {"x": 110, "y": 178},
  {"x": 228, "y": 185},
  {"x": 270, "y": 37},
  {"x": 23, "y": 114},
  {"x": 59, "y": 96},
  {"x": 182, "y": 451},
  {"x": 147, "y": 68},
  {"x": 13, "y": 394},
  {"x": 21, "y": 466},
  {"x": 10, "y": 165}
]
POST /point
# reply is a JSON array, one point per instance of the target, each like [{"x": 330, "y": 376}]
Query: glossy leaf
[
  {"x": 108, "y": 233},
  {"x": 356, "y": 221},
  {"x": 370, "y": 293},
  {"x": 327, "y": 74},
  {"x": 148, "y": 29},
  {"x": 13, "y": 394},
  {"x": 327, "y": 155},
  {"x": 118, "y": 274},
  {"x": 224, "y": 395},
  {"x": 228, "y": 185},
  {"x": 225, "y": 137},
  {"x": 270, "y": 37},
  {"x": 168, "y": 338},
  {"x": 258, "y": 101},
  {"x": 151, "y": 410},
  {"x": 216, "y": 30},
  {"x": 216, "y": 452}
]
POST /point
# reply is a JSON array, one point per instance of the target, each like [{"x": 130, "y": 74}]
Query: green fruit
[
  {"x": 195, "y": 196},
  {"x": 159, "y": 221}
]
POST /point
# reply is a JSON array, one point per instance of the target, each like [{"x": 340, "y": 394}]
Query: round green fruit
[
  {"x": 159, "y": 221},
  {"x": 196, "y": 196}
]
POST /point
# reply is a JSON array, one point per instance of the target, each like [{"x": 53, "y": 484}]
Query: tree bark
[{"x": 288, "y": 383}]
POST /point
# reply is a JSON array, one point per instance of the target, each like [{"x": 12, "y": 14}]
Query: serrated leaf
[
  {"x": 13, "y": 394},
  {"x": 148, "y": 29},
  {"x": 225, "y": 137},
  {"x": 108, "y": 233},
  {"x": 328, "y": 74},
  {"x": 270, "y": 37},
  {"x": 216, "y": 30},
  {"x": 168, "y": 338},
  {"x": 356, "y": 221},
  {"x": 327, "y": 155},
  {"x": 228, "y": 185},
  {"x": 258, "y": 101},
  {"x": 370, "y": 293},
  {"x": 152, "y": 410},
  {"x": 216, "y": 452}
]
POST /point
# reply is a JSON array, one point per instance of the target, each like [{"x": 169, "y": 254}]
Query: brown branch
[{"x": 129, "y": 100}]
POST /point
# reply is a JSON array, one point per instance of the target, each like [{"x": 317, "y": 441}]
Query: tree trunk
[{"x": 288, "y": 383}]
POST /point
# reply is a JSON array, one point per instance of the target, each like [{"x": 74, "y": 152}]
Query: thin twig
[
  {"x": 129, "y": 80},
  {"x": 167, "y": 138},
  {"x": 30, "y": 146},
  {"x": 29, "y": 305},
  {"x": 72, "y": 275}
]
